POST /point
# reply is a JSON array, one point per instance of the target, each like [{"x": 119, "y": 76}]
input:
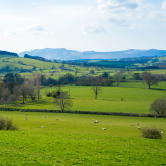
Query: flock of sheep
[
  {"x": 96, "y": 121},
  {"x": 137, "y": 127}
]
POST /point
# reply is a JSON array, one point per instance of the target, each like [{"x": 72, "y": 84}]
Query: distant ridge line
[
  {"x": 8, "y": 53},
  {"x": 64, "y": 54}
]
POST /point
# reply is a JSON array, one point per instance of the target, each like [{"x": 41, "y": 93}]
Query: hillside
[
  {"x": 6, "y": 53},
  {"x": 17, "y": 64},
  {"x": 64, "y": 54},
  {"x": 82, "y": 67}
]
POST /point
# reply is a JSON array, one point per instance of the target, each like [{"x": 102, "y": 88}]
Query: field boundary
[{"x": 78, "y": 112}]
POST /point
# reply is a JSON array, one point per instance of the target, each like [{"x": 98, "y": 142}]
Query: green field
[
  {"x": 112, "y": 99},
  {"x": 76, "y": 140}
]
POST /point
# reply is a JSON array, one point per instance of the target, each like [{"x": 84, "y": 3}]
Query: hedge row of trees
[
  {"x": 80, "y": 81},
  {"x": 105, "y": 79}
]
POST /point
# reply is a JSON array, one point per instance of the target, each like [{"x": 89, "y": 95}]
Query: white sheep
[
  {"x": 96, "y": 121},
  {"x": 43, "y": 127},
  {"x": 103, "y": 128},
  {"x": 162, "y": 132},
  {"x": 131, "y": 125},
  {"x": 25, "y": 118},
  {"x": 137, "y": 124},
  {"x": 139, "y": 128}
]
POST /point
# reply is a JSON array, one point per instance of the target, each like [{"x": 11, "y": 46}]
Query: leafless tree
[
  {"x": 31, "y": 92},
  {"x": 118, "y": 77},
  {"x": 96, "y": 89},
  {"x": 23, "y": 92},
  {"x": 96, "y": 86},
  {"x": 26, "y": 90},
  {"x": 5, "y": 96},
  {"x": 16, "y": 94},
  {"x": 63, "y": 101},
  {"x": 37, "y": 81}
]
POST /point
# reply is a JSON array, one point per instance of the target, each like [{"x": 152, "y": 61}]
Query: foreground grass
[{"x": 77, "y": 140}]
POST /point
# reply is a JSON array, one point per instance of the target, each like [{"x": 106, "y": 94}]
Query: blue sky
[{"x": 99, "y": 25}]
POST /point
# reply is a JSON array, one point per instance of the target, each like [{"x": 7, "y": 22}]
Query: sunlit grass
[{"x": 76, "y": 140}]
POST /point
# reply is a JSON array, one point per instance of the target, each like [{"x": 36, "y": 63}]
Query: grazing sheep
[
  {"x": 139, "y": 128},
  {"x": 43, "y": 127},
  {"x": 103, "y": 128},
  {"x": 96, "y": 121},
  {"x": 137, "y": 124},
  {"x": 162, "y": 133},
  {"x": 25, "y": 118},
  {"x": 131, "y": 125}
]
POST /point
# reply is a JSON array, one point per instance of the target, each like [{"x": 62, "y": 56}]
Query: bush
[
  {"x": 7, "y": 124},
  {"x": 151, "y": 133},
  {"x": 159, "y": 107}
]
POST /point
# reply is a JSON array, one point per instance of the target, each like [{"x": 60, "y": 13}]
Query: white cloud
[
  {"x": 9, "y": 33},
  {"x": 92, "y": 29},
  {"x": 35, "y": 28},
  {"x": 119, "y": 22},
  {"x": 126, "y": 13},
  {"x": 117, "y": 4},
  {"x": 164, "y": 5},
  {"x": 119, "y": 12}
]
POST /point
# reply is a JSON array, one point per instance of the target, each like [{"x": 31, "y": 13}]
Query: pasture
[
  {"x": 111, "y": 99},
  {"x": 72, "y": 139},
  {"x": 47, "y": 139}
]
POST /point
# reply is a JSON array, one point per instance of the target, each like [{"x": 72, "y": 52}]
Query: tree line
[
  {"x": 103, "y": 80},
  {"x": 13, "y": 87}
]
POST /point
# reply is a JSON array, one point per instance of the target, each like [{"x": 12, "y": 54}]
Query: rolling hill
[
  {"x": 64, "y": 54},
  {"x": 6, "y": 53}
]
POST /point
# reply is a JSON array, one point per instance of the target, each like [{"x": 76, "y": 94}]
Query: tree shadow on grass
[
  {"x": 159, "y": 89},
  {"x": 36, "y": 103}
]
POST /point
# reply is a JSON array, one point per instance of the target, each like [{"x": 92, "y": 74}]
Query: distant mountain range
[{"x": 64, "y": 54}]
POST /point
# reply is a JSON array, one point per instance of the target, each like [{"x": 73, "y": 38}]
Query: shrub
[
  {"x": 151, "y": 133},
  {"x": 7, "y": 124},
  {"x": 159, "y": 107}
]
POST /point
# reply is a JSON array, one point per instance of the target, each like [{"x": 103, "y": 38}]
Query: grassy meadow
[
  {"x": 128, "y": 99},
  {"x": 73, "y": 139}
]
